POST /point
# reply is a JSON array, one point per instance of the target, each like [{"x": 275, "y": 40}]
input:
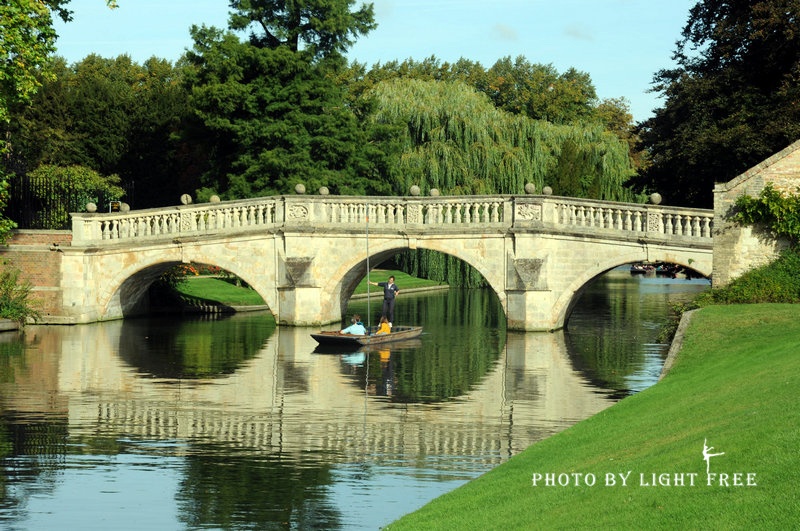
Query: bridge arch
[
  {"x": 126, "y": 293},
  {"x": 352, "y": 271},
  {"x": 569, "y": 296}
]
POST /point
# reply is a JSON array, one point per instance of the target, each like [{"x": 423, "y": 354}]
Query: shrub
[
  {"x": 778, "y": 281},
  {"x": 15, "y": 303}
]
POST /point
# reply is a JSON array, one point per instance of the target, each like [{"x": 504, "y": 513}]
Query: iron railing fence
[{"x": 39, "y": 203}]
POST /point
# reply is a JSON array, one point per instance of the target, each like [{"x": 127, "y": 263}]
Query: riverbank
[
  {"x": 640, "y": 463},
  {"x": 8, "y": 325}
]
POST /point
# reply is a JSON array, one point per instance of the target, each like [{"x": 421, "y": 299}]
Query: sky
[{"x": 621, "y": 44}]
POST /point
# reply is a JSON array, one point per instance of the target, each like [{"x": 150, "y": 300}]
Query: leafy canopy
[
  {"x": 730, "y": 102},
  {"x": 323, "y": 28},
  {"x": 778, "y": 211}
]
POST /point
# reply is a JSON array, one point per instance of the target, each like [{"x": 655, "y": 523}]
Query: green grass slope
[{"x": 736, "y": 383}]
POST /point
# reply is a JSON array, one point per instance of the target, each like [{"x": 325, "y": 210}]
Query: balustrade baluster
[
  {"x": 678, "y": 225},
  {"x": 706, "y": 228},
  {"x": 637, "y": 221}
]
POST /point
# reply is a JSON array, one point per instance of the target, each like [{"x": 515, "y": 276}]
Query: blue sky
[{"x": 619, "y": 43}]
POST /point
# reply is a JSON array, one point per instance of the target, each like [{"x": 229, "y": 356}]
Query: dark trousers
[{"x": 388, "y": 309}]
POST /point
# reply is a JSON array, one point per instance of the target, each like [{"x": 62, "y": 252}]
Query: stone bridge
[{"x": 305, "y": 254}]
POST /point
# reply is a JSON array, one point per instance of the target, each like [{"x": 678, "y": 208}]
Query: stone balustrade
[
  {"x": 652, "y": 221},
  {"x": 467, "y": 213}
]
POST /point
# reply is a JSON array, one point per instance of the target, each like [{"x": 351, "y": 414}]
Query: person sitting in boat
[
  {"x": 383, "y": 326},
  {"x": 357, "y": 327}
]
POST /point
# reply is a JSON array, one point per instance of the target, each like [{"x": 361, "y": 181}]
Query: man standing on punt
[{"x": 390, "y": 290}]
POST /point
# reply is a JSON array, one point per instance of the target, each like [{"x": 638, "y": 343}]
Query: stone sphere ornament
[
  {"x": 300, "y": 188},
  {"x": 547, "y": 190},
  {"x": 91, "y": 208},
  {"x": 434, "y": 192},
  {"x": 655, "y": 198},
  {"x": 414, "y": 190},
  {"x": 124, "y": 207},
  {"x": 214, "y": 199},
  {"x": 323, "y": 190},
  {"x": 530, "y": 188},
  {"x": 186, "y": 199}
]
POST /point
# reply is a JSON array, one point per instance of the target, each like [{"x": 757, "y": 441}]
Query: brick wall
[{"x": 35, "y": 253}]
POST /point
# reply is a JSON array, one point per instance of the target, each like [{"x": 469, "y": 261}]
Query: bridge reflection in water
[{"x": 288, "y": 400}]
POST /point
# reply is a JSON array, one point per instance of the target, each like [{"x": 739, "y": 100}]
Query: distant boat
[
  {"x": 335, "y": 338},
  {"x": 641, "y": 269}
]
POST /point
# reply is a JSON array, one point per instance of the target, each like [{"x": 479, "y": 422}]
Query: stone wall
[
  {"x": 738, "y": 249},
  {"x": 37, "y": 255}
]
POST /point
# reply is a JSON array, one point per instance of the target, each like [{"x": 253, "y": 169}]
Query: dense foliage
[
  {"x": 117, "y": 118},
  {"x": 15, "y": 302},
  {"x": 778, "y": 281},
  {"x": 779, "y": 212},
  {"x": 730, "y": 102},
  {"x": 74, "y": 187}
]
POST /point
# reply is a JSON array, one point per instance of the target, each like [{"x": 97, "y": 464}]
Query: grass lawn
[
  {"x": 734, "y": 383},
  {"x": 219, "y": 290},
  {"x": 403, "y": 281}
]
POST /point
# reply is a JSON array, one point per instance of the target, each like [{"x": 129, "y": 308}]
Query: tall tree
[
  {"x": 730, "y": 102},
  {"x": 323, "y": 28},
  {"x": 455, "y": 140},
  {"x": 116, "y": 117},
  {"x": 27, "y": 40},
  {"x": 273, "y": 112}
]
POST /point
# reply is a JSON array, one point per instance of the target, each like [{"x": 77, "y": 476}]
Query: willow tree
[{"x": 455, "y": 140}]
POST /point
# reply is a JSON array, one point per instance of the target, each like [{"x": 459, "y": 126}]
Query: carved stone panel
[
  {"x": 529, "y": 212},
  {"x": 297, "y": 212},
  {"x": 653, "y": 222}
]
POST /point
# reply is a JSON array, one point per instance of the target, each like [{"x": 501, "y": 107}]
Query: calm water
[{"x": 231, "y": 423}]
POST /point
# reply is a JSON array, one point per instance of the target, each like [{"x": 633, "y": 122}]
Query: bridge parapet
[
  {"x": 464, "y": 213},
  {"x": 605, "y": 219}
]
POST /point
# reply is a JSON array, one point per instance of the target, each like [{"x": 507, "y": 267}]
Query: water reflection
[
  {"x": 191, "y": 346},
  {"x": 614, "y": 337},
  {"x": 233, "y": 423}
]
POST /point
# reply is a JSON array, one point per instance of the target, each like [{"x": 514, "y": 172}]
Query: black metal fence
[{"x": 36, "y": 203}]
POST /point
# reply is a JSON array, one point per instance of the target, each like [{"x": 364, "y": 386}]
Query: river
[{"x": 230, "y": 422}]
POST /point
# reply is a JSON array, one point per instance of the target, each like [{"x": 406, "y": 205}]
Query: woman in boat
[
  {"x": 383, "y": 327},
  {"x": 357, "y": 327}
]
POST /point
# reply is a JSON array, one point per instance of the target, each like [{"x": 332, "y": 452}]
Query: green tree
[
  {"x": 730, "y": 102},
  {"x": 273, "y": 113},
  {"x": 323, "y": 28},
  {"x": 117, "y": 117},
  {"x": 454, "y": 139},
  {"x": 69, "y": 189},
  {"x": 27, "y": 40},
  {"x": 539, "y": 91}
]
